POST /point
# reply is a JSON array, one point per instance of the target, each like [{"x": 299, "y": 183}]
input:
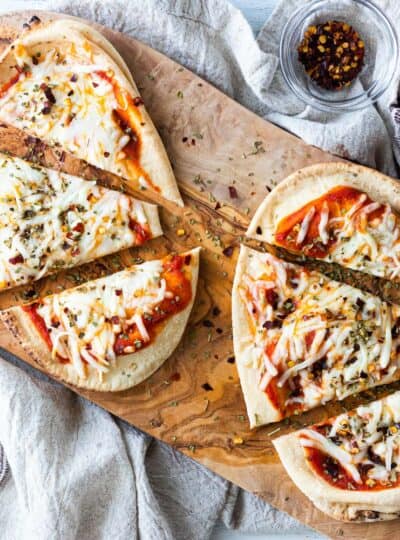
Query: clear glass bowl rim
[{"x": 349, "y": 104}]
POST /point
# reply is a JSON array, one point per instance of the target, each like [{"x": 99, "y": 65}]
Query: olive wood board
[{"x": 194, "y": 401}]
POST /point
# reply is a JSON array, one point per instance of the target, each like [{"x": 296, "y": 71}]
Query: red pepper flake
[
  {"x": 106, "y": 154},
  {"x": 259, "y": 230},
  {"x": 46, "y": 109},
  {"x": 332, "y": 54},
  {"x": 187, "y": 259},
  {"x": 233, "y": 192},
  {"x": 219, "y": 330},
  {"x": 76, "y": 251},
  {"x": 115, "y": 319},
  {"x": 208, "y": 324},
  {"x": 228, "y": 251},
  {"x": 79, "y": 227},
  {"x": 207, "y": 387},
  {"x": 16, "y": 260},
  {"x": 231, "y": 360},
  {"x": 216, "y": 311},
  {"x": 74, "y": 78},
  {"x": 137, "y": 101},
  {"x": 184, "y": 139},
  {"x": 217, "y": 206},
  {"x": 193, "y": 142},
  {"x": 118, "y": 292},
  {"x": 49, "y": 95},
  {"x": 95, "y": 84},
  {"x": 175, "y": 377}
]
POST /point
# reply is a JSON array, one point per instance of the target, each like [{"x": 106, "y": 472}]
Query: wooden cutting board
[{"x": 194, "y": 402}]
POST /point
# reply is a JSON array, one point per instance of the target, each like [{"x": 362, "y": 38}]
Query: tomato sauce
[
  {"x": 180, "y": 286},
  {"x": 339, "y": 201},
  {"x": 334, "y": 474},
  {"x": 142, "y": 232},
  {"x": 41, "y": 327},
  {"x": 6, "y": 86},
  {"x": 177, "y": 283},
  {"x": 129, "y": 119}
]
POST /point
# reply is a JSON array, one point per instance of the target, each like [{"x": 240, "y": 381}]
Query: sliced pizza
[
  {"x": 63, "y": 82},
  {"x": 50, "y": 221},
  {"x": 339, "y": 213},
  {"x": 112, "y": 333},
  {"x": 349, "y": 466},
  {"x": 302, "y": 340}
]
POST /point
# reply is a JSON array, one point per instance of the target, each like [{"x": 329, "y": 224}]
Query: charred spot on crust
[{"x": 367, "y": 514}]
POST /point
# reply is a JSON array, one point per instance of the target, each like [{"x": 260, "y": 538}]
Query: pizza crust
[
  {"x": 343, "y": 505},
  {"x": 312, "y": 182},
  {"x": 130, "y": 370},
  {"x": 46, "y": 36},
  {"x": 260, "y": 409}
]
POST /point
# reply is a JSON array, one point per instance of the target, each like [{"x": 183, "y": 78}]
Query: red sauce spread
[
  {"x": 6, "y": 86},
  {"x": 142, "y": 232},
  {"x": 180, "y": 286},
  {"x": 339, "y": 201},
  {"x": 128, "y": 117},
  {"x": 38, "y": 321},
  {"x": 177, "y": 282},
  {"x": 335, "y": 474}
]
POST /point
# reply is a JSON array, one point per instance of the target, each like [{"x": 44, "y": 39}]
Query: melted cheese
[
  {"x": 365, "y": 439},
  {"x": 319, "y": 339},
  {"x": 361, "y": 241},
  {"x": 50, "y": 220},
  {"x": 89, "y": 318},
  {"x": 81, "y": 118}
]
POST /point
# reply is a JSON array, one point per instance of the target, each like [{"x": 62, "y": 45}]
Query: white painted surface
[{"x": 255, "y": 11}]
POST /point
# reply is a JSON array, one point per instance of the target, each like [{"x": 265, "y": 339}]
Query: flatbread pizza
[
  {"x": 50, "y": 220},
  {"x": 64, "y": 83},
  {"x": 349, "y": 466},
  {"x": 302, "y": 340},
  {"x": 112, "y": 333},
  {"x": 336, "y": 212}
]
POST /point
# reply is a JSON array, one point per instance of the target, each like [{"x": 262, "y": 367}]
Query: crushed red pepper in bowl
[{"x": 332, "y": 54}]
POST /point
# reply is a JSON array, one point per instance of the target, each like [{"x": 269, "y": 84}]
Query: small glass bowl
[{"x": 380, "y": 59}]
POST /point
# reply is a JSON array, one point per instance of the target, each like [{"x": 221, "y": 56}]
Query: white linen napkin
[{"x": 77, "y": 472}]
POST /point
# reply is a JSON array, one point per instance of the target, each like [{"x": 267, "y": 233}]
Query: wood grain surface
[{"x": 194, "y": 402}]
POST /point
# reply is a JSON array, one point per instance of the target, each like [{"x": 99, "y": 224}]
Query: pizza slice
[
  {"x": 112, "y": 333},
  {"x": 339, "y": 213},
  {"x": 63, "y": 82},
  {"x": 50, "y": 221},
  {"x": 302, "y": 340},
  {"x": 349, "y": 466}
]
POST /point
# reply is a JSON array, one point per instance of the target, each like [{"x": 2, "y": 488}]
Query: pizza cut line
[
  {"x": 302, "y": 340},
  {"x": 345, "y": 226},
  {"x": 349, "y": 465},
  {"x": 336, "y": 212},
  {"x": 50, "y": 220},
  {"x": 62, "y": 82},
  {"x": 111, "y": 333}
]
